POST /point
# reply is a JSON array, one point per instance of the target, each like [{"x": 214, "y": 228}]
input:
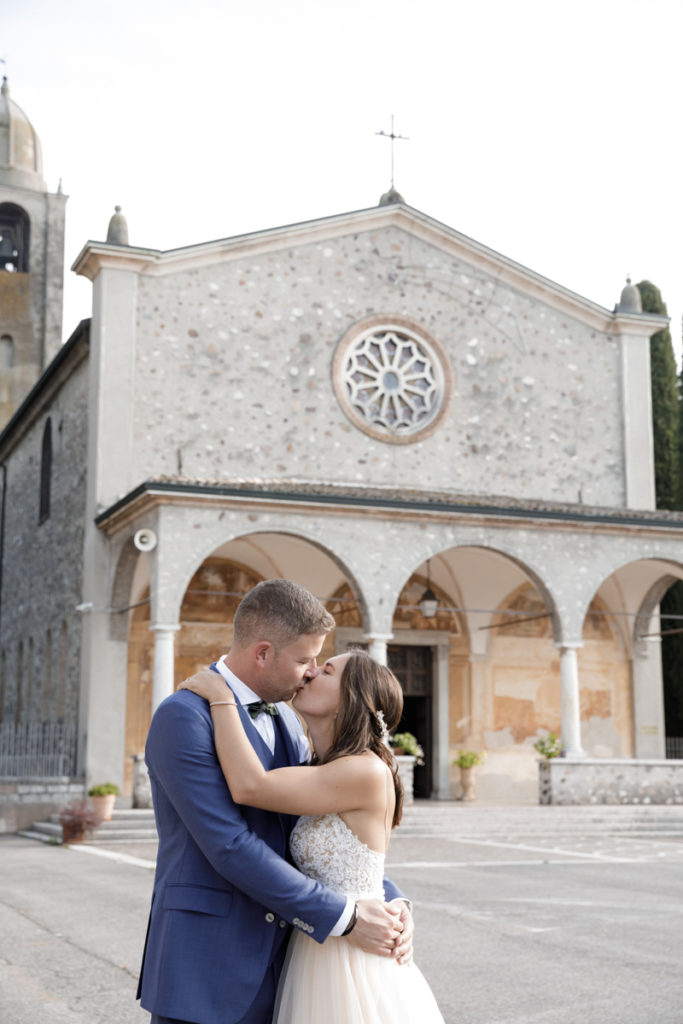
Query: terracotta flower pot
[
  {"x": 104, "y": 806},
  {"x": 467, "y": 783},
  {"x": 73, "y": 833}
]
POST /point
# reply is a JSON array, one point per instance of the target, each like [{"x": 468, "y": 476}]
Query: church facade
[{"x": 452, "y": 451}]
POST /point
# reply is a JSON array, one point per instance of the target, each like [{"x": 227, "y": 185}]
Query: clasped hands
[{"x": 385, "y": 929}]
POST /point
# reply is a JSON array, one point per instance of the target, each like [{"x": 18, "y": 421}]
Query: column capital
[
  {"x": 161, "y": 628},
  {"x": 372, "y": 637},
  {"x": 642, "y": 647},
  {"x": 569, "y": 645}
]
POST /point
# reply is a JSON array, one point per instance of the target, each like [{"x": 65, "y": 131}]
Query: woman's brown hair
[{"x": 371, "y": 708}]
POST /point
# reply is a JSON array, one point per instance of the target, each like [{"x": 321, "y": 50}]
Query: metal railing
[
  {"x": 674, "y": 747},
  {"x": 37, "y": 749}
]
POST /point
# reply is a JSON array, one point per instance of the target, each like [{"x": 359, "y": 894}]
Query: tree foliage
[
  {"x": 665, "y": 405},
  {"x": 667, "y": 418}
]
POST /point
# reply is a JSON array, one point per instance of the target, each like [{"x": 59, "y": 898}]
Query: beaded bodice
[{"x": 325, "y": 848}]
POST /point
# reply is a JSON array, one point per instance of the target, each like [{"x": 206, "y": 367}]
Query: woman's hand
[{"x": 208, "y": 684}]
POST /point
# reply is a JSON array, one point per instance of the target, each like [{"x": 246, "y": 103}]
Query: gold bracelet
[{"x": 230, "y": 703}]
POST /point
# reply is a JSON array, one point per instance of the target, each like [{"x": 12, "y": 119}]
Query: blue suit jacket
[{"x": 223, "y": 892}]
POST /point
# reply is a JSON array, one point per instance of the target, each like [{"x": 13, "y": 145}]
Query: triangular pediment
[{"x": 404, "y": 218}]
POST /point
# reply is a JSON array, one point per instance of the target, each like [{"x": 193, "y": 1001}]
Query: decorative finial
[
  {"x": 60, "y": 190},
  {"x": 392, "y": 136},
  {"x": 630, "y": 301},
  {"x": 117, "y": 233},
  {"x": 5, "y": 86}
]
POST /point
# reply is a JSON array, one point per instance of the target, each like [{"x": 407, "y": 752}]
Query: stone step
[
  {"x": 431, "y": 818},
  {"x": 127, "y": 825},
  {"x": 50, "y": 832}
]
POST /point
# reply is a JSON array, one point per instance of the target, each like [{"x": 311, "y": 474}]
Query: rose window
[{"x": 390, "y": 381}]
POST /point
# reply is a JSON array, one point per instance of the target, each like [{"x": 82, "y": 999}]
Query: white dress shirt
[{"x": 264, "y": 723}]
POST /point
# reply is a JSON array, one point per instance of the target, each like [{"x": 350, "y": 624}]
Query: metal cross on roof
[{"x": 392, "y": 135}]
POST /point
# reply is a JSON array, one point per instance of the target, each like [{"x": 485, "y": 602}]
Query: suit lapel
[
  {"x": 256, "y": 739},
  {"x": 290, "y": 758}
]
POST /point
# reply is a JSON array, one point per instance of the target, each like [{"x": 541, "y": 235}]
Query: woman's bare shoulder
[{"x": 366, "y": 766}]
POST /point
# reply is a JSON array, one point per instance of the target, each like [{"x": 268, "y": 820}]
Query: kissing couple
[{"x": 270, "y": 904}]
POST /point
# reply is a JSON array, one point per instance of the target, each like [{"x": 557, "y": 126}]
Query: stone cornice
[
  {"x": 96, "y": 256},
  {"x": 152, "y": 494}
]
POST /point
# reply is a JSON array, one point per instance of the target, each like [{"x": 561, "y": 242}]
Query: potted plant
[
  {"x": 405, "y": 744},
  {"x": 76, "y": 819},
  {"x": 549, "y": 746},
  {"x": 408, "y": 753},
  {"x": 103, "y": 798},
  {"x": 467, "y": 761}
]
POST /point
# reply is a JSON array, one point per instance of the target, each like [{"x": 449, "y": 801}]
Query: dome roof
[{"x": 21, "y": 160}]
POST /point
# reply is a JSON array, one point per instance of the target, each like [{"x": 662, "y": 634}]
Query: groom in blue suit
[{"x": 224, "y": 892}]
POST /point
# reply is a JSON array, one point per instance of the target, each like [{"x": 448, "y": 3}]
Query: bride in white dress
[{"x": 349, "y": 799}]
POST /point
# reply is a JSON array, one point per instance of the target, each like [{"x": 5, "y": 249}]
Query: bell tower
[{"x": 31, "y": 259}]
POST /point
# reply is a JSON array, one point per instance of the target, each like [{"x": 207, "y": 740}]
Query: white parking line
[
  {"x": 123, "y": 858},
  {"x": 437, "y": 864}
]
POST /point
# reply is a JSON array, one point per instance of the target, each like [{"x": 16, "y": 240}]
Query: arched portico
[
  {"x": 477, "y": 563},
  {"x": 633, "y": 592},
  {"x": 160, "y": 655}
]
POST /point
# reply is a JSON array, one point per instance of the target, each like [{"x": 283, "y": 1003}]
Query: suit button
[
  {"x": 283, "y": 924},
  {"x": 270, "y": 918}
]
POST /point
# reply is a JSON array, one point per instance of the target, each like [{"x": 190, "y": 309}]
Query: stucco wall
[{"x": 233, "y": 375}]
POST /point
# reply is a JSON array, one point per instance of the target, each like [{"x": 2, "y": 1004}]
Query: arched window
[
  {"x": 6, "y": 352},
  {"x": 14, "y": 238},
  {"x": 46, "y": 472}
]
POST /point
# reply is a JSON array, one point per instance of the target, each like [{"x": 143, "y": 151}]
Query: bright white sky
[{"x": 545, "y": 129}]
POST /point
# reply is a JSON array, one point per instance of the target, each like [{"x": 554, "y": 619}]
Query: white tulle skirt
[{"x": 340, "y": 984}]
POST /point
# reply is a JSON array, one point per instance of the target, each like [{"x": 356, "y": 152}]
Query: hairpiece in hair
[{"x": 383, "y": 731}]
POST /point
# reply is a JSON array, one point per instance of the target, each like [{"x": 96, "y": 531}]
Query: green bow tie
[{"x": 262, "y": 707}]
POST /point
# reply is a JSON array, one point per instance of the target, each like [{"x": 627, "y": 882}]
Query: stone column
[
  {"x": 570, "y": 709},
  {"x": 163, "y": 681},
  {"x": 442, "y": 783},
  {"x": 648, "y": 699},
  {"x": 634, "y": 334},
  {"x": 377, "y": 645}
]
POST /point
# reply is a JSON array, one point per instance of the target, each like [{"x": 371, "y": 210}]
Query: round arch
[
  {"x": 632, "y": 717},
  {"x": 210, "y": 597}
]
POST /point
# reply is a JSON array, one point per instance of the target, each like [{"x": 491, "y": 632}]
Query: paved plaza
[{"x": 525, "y": 916}]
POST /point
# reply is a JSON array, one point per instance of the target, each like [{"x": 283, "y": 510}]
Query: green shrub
[{"x": 104, "y": 789}]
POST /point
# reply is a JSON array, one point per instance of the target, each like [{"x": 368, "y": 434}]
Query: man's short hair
[{"x": 279, "y": 611}]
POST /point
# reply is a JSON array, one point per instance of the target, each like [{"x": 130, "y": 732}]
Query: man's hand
[
  {"x": 378, "y": 927},
  {"x": 403, "y": 948}
]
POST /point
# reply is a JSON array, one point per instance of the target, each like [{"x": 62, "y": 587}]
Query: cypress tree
[
  {"x": 667, "y": 417},
  {"x": 665, "y": 404}
]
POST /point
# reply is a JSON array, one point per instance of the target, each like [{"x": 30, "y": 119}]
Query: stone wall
[
  {"x": 40, "y": 629},
  {"x": 33, "y": 799},
  {"x": 610, "y": 781},
  {"x": 233, "y": 375}
]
